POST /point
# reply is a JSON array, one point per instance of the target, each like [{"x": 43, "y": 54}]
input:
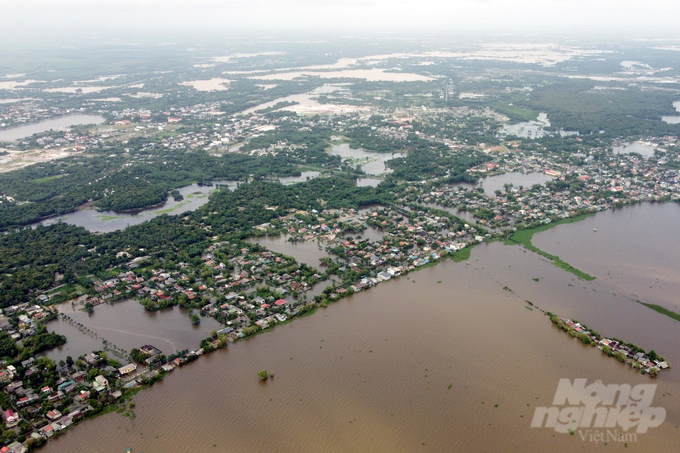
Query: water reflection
[{"x": 128, "y": 325}]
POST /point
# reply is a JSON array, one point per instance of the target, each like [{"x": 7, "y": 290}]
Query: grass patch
[
  {"x": 462, "y": 254},
  {"x": 169, "y": 210},
  {"x": 49, "y": 178},
  {"x": 524, "y": 237},
  {"x": 662, "y": 310},
  {"x": 104, "y": 218}
]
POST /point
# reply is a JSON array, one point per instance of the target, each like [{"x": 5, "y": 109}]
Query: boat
[{"x": 595, "y": 230}]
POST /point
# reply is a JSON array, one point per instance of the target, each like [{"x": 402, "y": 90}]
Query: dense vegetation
[
  {"x": 575, "y": 105},
  {"x": 122, "y": 182}
]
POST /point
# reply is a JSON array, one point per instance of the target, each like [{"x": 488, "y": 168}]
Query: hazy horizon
[{"x": 42, "y": 19}]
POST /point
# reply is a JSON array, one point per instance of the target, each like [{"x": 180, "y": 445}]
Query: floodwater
[
  {"x": 76, "y": 89},
  {"x": 308, "y": 252},
  {"x": 308, "y": 103},
  {"x": 644, "y": 269},
  {"x": 195, "y": 196},
  {"x": 465, "y": 215},
  {"x": 534, "y": 129},
  {"x": 529, "y": 129},
  {"x": 673, "y": 119},
  {"x": 215, "y": 84},
  {"x": 446, "y": 359},
  {"x": 368, "y": 182},
  {"x": 371, "y": 75},
  {"x": 128, "y": 325},
  {"x": 498, "y": 182},
  {"x": 642, "y": 148},
  {"x": 305, "y": 176},
  {"x": 371, "y": 163},
  {"x": 16, "y": 133}
]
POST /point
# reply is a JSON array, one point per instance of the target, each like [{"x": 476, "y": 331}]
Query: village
[
  {"x": 632, "y": 355},
  {"x": 248, "y": 288}
]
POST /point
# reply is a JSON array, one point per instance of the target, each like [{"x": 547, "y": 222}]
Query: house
[
  {"x": 127, "y": 369},
  {"x": 53, "y": 415},
  {"x": 11, "y": 419},
  {"x": 382, "y": 276},
  {"x": 56, "y": 397},
  {"x": 79, "y": 376},
  {"x": 17, "y": 447},
  {"x": 101, "y": 380},
  {"x": 149, "y": 350}
]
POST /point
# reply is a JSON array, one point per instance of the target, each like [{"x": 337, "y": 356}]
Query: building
[
  {"x": 11, "y": 419},
  {"x": 127, "y": 369}
]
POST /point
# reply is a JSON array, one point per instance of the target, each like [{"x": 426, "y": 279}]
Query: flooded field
[
  {"x": 305, "y": 176},
  {"x": 107, "y": 221},
  {"x": 371, "y": 163},
  {"x": 309, "y": 252},
  {"x": 214, "y": 84},
  {"x": 371, "y": 75},
  {"x": 368, "y": 182},
  {"x": 77, "y": 89},
  {"x": 673, "y": 119},
  {"x": 307, "y": 103},
  {"x": 642, "y": 148},
  {"x": 16, "y": 133},
  {"x": 128, "y": 325},
  {"x": 493, "y": 183},
  {"x": 444, "y": 359},
  {"x": 195, "y": 196},
  {"x": 534, "y": 129}
]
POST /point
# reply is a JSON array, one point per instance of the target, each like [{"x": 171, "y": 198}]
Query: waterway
[
  {"x": 16, "y": 133},
  {"x": 128, "y": 325},
  {"x": 446, "y": 359}
]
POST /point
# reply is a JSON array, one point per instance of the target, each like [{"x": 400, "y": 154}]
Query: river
[
  {"x": 16, "y": 133},
  {"x": 446, "y": 359}
]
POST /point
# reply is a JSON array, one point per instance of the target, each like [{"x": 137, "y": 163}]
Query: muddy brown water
[{"x": 418, "y": 363}]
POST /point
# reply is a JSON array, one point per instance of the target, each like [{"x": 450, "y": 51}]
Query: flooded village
[{"x": 73, "y": 359}]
